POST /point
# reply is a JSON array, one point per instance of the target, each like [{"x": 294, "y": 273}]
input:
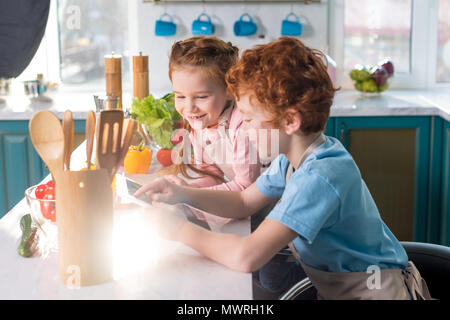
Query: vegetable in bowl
[
  {"x": 372, "y": 79},
  {"x": 159, "y": 117}
]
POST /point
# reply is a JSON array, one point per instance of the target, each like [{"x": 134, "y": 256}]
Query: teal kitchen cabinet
[
  {"x": 329, "y": 129},
  {"x": 20, "y": 165},
  {"x": 445, "y": 188},
  {"x": 393, "y": 155}
]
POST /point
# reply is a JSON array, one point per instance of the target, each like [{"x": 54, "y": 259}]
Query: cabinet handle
[{"x": 342, "y": 137}]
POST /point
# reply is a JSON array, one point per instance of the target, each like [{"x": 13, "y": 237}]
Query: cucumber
[{"x": 29, "y": 237}]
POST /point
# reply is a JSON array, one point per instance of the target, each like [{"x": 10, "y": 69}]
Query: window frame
[
  {"x": 433, "y": 45},
  {"x": 423, "y": 63}
]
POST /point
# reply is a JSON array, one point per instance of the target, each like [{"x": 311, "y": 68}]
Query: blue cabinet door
[
  {"x": 20, "y": 165},
  {"x": 329, "y": 129},
  {"x": 393, "y": 155},
  {"x": 445, "y": 188}
]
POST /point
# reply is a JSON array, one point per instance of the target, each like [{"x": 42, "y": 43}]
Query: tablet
[{"x": 133, "y": 186}]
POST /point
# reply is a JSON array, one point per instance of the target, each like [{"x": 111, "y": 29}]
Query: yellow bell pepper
[{"x": 138, "y": 159}]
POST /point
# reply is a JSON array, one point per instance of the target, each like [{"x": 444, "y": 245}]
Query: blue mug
[
  {"x": 165, "y": 28},
  {"x": 291, "y": 28},
  {"x": 244, "y": 28},
  {"x": 202, "y": 27}
]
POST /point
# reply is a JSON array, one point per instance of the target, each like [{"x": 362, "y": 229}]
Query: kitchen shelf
[{"x": 232, "y": 2}]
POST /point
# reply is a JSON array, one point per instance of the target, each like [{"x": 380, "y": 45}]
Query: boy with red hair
[{"x": 324, "y": 210}]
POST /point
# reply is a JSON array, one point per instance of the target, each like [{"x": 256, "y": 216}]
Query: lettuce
[{"x": 159, "y": 117}]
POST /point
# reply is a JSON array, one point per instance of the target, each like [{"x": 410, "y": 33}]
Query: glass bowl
[
  {"x": 371, "y": 89},
  {"x": 41, "y": 210}
]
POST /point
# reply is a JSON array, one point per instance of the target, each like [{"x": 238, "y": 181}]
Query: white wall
[{"x": 268, "y": 17}]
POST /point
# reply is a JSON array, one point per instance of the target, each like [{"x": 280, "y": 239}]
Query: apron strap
[{"x": 318, "y": 142}]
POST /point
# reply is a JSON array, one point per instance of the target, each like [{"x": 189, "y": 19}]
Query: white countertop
[
  {"x": 170, "y": 270},
  {"x": 146, "y": 266},
  {"x": 347, "y": 103}
]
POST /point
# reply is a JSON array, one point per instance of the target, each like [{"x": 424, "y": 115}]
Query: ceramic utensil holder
[{"x": 84, "y": 206}]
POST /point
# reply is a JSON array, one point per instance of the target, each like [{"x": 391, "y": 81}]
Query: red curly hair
[{"x": 285, "y": 74}]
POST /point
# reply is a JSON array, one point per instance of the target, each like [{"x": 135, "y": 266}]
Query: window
[
  {"x": 374, "y": 30},
  {"x": 364, "y": 32},
  {"x": 443, "y": 42},
  {"x": 88, "y": 30}
]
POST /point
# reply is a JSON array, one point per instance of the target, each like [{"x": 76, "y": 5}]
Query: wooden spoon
[
  {"x": 90, "y": 133},
  {"x": 109, "y": 140},
  {"x": 67, "y": 125},
  {"x": 48, "y": 139},
  {"x": 130, "y": 127}
]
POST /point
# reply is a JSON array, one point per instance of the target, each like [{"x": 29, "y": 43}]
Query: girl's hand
[
  {"x": 176, "y": 180},
  {"x": 169, "y": 220},
  {"x": 162, "y": 190}
]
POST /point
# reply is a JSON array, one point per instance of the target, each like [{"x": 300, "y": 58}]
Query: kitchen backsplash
[{"x": 268, "y": 18}]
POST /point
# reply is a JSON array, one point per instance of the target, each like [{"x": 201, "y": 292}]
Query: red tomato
[
  {"x": 164, "y": 156},
  {"x": 50, "y": 189},
  {"x": 48, "y": 208},
  {"x": 40, "y": 190}
]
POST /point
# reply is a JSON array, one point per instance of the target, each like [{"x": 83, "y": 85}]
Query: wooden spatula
[
  {"x": 67, "y": 125},
  {"x": 109, "y": 140}
]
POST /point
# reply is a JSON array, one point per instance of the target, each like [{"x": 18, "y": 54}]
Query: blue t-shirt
[{"x": 329, "y": 206}]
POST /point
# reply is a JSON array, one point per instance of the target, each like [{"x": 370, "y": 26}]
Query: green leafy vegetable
[{"x": 159, "y": 117}]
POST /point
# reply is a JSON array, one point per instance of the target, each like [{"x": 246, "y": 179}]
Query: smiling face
[{"x": 198, "y": 99}]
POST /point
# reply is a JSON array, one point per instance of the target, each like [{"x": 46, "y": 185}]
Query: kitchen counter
[
  {"x": 347, "y": 103},
  {"x": 145, "y": 266}
]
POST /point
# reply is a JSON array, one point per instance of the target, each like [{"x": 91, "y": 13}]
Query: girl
[
  {"x": 222, "y": 157},
  {"x": 325, "y": 214}
]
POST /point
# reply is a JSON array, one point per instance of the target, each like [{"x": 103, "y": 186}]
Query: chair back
[{"x": 433, "y": 263}]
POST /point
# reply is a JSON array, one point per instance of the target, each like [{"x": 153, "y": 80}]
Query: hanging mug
[
  {"x": 165, "y": 28},
  {"x": 291, "y": 28},
  {"x": 244, "y": 28},
  {"x": 202, "y": 27}
]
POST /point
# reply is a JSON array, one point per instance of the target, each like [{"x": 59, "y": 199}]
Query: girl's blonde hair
[{"x": 212, "y": 56}]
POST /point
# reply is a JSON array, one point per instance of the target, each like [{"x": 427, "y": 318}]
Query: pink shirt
[{"x": 224, "y": 150}]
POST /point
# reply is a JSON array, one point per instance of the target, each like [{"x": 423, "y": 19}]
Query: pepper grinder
[
  {"x": 140, "y": 76},
  {"x": 141, "y": 87},
  {"x": 113, "y": 76}
]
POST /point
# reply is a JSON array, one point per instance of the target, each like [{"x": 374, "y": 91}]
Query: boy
[{"x": 324, "y": 208}]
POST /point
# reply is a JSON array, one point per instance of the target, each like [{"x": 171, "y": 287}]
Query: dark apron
[{"x": 393, "y": 284}]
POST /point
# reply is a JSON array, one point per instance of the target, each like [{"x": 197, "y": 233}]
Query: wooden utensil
[
  {"x": 48, "y": 139},
  {"x": 109, "y": 140},
  {"x": 130, "y": 125},
  {"x": 67, "y": 125},
  {"x": 90, "y": 134},
  {"x": 84, "y": 215}
]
